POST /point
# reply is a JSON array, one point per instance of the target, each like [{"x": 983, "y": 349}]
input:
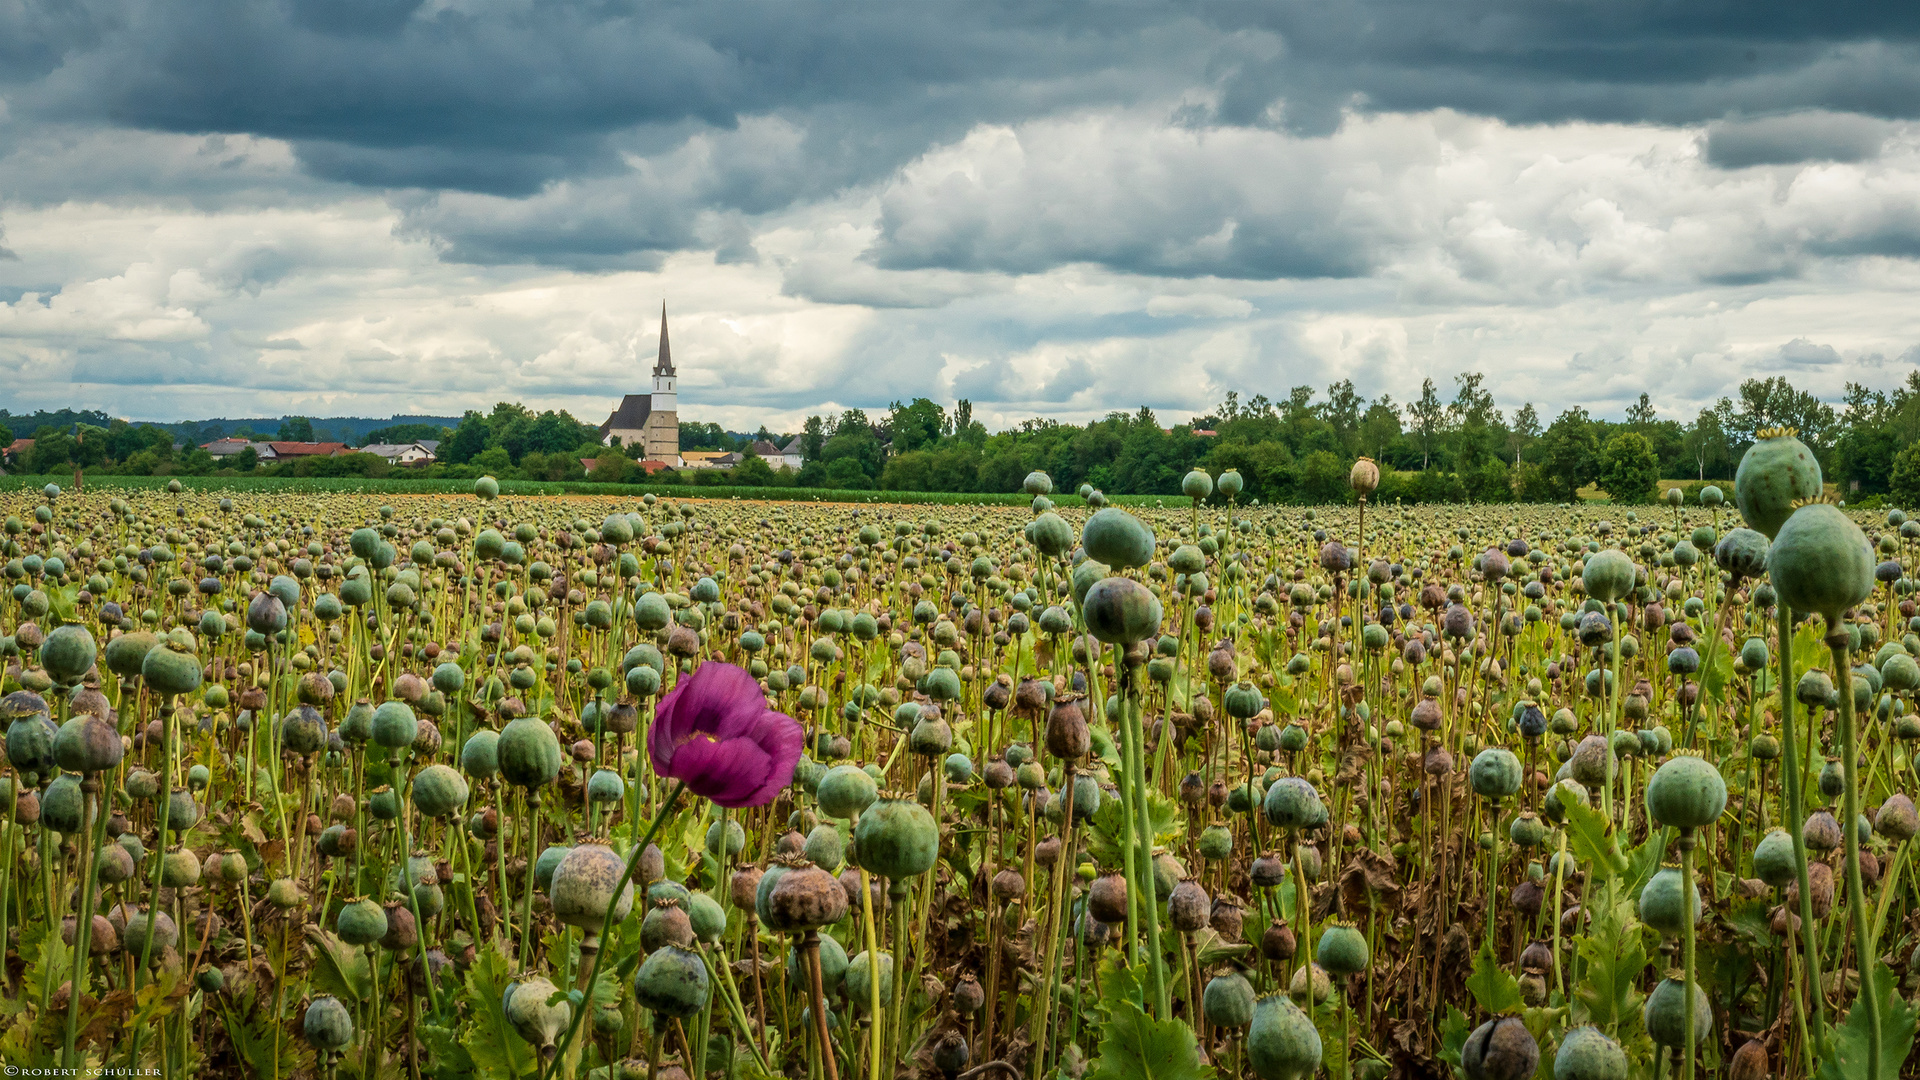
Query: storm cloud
[{"x": 1061, "y": 208}]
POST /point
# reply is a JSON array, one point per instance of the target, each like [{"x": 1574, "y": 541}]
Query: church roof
[
  {"x": 631, "y": 415},
  {"x": 664, "y": 364}
]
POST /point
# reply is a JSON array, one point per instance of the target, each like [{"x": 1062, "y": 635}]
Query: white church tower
[{"x": 651, "y": 421}]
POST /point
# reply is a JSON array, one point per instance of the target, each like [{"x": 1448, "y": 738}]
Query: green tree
[
  {"x": 52, "y": 448},
  {"x": 1570, "y": 457},
  {"x": 1429, "y": 419},
  {"x": 245, "y": 461},
  {"x": 1629, "y": 469},
  {"x": 1342, "y": 413},
  {"x": 1323, "y": 478},
  {"x": 1905, "y": 484},
  {"x": 404, "y": 433},
  {"x": 846, "y": 473},
  {"x": 1380, "y": 428},
  {"x": 295, "y": 429},
  {"x": 916, "y": 425},
  {"x": 1523, "y": 433},
  {"x": 753, "y": 471},
  {"x": 1641, "y": 414},
  {"x": 467, "y": 440},
  {"x": 612, "y": 467},
  {"x": 1705, "y": 442},
  {"x": 813, "y": 439}
]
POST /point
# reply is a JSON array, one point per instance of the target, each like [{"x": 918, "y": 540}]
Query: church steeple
[{"x": 664, "y": 364}]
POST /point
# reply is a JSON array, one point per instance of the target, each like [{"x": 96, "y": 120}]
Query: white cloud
[{"x": 1091, "y": 260}]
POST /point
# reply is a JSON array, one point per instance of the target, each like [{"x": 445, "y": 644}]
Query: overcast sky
[{"x": 374, "y": 206}]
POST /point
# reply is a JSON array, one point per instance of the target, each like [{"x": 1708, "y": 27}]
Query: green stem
[
  {"x": 1796, "y": 823},
  {"x": 606, "y": 922},
  {"x": 1863, "y": 943},
  {"x": 1686, "y": 947}
]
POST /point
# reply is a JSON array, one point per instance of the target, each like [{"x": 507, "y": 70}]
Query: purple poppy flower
[{"x": 715, "y": 733}]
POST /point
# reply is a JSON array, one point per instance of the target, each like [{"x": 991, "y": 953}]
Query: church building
[{"x": 650, "y": 421}]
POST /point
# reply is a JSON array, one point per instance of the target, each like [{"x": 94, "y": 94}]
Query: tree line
[{"x": 1453, "y": 448}]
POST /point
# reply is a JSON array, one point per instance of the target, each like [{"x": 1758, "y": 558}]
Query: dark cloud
[
  {"x": 1789, "y": 140},
  {"x": 503, "y": 97}
]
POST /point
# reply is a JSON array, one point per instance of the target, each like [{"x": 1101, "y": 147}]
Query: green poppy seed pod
[
  {"x": 833, "y": 965},
  {"x": 1609, "y": 575},
  {"x": 1586, "y": 1053},
  {"x": 1121, "y": 611},
  {"x": 582, "y": 887},
  {"x": 486, "y": 489},
  {"x": 896, "y": 838},
  {"x": 845, "y": 791},
  {"x": 651, "y": 612},
  {"x": 303, "y": 730},
  {"x": 179, "y": 869},
  {"x": 1050, "y": 534},
  {"x": 1342, "y": 950},
  {"x": 1821, "y": 562},
  {"x": 1897, "y": 820},
  {"x": 67, "y": 653},
  {"x": 1494, "y": 773},
  {"x": 1665, "y": 1014},
  {"x": 859, "y": 980},
  {"x": 1776, "y": 472},
  {"x": 1231, "y": 483},
  {"x": 528, "y": 753},
  {"x": 672, "y": 981},
  {"x": 361, "y": 922},
  {"x": 1228, "y": 1000},
  {"x": 394, "y": 725},
  {"x": 1196, "y": 485},
  {"x": 1037, "y": 483},
  {"x": 825, "y": 847},
  {"x": 1668, "y": 901},
  {"x": 328, "y": 1025},
  {"x": 171, "y": 669},
  {"x": 1500, "y": 1049},
  {"x": 527, "y": 1010},
  {"x": 1187, "y": 559},
  {"x": 1742, "y": 553},
  {"x": 1899, "y": 672},
  {"x": 1282, "y": 1043},
  {"x": 1117, "y": 539},
  {"x": 30, "y": 741},
  {"x": 479, "y": 756},
  {"x": 1291, "y": 803},
  {"x": 439, "y": 791},
  {"x": 1686, "y": 792}
]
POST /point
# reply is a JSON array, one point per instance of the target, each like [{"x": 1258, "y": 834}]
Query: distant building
[
  {"x": 413, "y": 453},
  {"x": 17, "y": 450},
  {"x": 288, "y": 451},
  {"x": 650, "y": 421},
  {"x": 791, "y": 456},
  {"x": 708, "y": 459},
  {"x": 221, "y": 449}
]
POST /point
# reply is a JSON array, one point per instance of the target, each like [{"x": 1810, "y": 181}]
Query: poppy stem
[{"x": 606, "y": 922}]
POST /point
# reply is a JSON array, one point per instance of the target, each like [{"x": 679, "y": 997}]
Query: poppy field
[{"x": 465, "y": 784}]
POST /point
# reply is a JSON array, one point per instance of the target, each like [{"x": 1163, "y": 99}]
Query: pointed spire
[{"x": 664, "y": 364}]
